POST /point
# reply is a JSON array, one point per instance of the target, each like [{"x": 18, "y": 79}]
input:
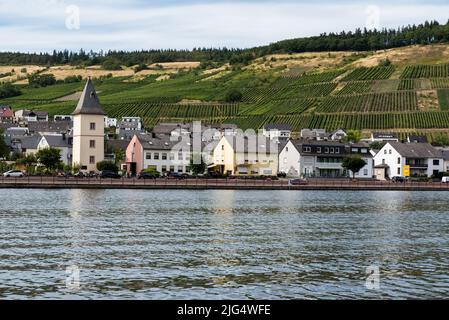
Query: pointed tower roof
[{"x": 89, "y": 103}]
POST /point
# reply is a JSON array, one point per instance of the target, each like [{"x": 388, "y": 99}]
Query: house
[
  {"x": 173, "y": 129},
  {"x": 162, "y": 153},
  {"x": 110, "y": 122},
  {"x": 445, "y": 154},
  {"x": 314, "y": 134},
  {"x": 245, "y": 156},
  {"x": 383, "y": 137},
  {"x": 128, "y": 127},
  {"x": 6, "y": 114},
  {"x": 66, "y": 118},
  {"x": 277, "y": 131},
  {"x": 30, "y": 145},
  {"x": 394, "y": 158},
  {"x": 417, "y": 139},
  {"x": 30, "y": 116},
  {"x": 337, "y": 135},
  {"x": 322, "y": 159},
  {"x": 47, "y": 128}
]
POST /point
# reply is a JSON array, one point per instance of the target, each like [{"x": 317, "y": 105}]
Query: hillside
[{"x": 402, "y": 90}]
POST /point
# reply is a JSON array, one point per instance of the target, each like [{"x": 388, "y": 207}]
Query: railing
[{"x": 317, "y": 184}]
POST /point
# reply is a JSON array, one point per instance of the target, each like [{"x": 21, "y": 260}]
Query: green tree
[
  {"x": 50, "y": 158},
  {"x": 119, "y": 155},
  {"x": 377, "y": 145},
  {"x": 353, "y": 164},
  {"x": 234, "y": 95},
  {"x": 441, "y": 140},
  {"x": 107, "y": 166},
  {"x": 353, "y": 136},
  {"x": 4, "y": 150},
  {"x": 197, "y": 164},
  {"x": 41, "y": 80}
]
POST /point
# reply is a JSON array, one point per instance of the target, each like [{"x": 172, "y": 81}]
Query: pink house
[{"x": 134, "y": 156}]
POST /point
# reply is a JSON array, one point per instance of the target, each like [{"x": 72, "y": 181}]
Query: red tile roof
[{"x": 6, "y": 112}]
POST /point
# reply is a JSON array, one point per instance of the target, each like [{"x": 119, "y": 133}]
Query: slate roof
[
  {"x": 58, "y": 126},
  {"x": 278, "y": 126},
  {"x": 416, "y": 150},
  {"x": 57, "y": 141},
  {"x": 30, "y": 142},
  {"x": 117, "y": 144},
  {"x": 89, "y": 102}
]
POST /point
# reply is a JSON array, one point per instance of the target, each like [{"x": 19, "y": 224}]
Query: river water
[{"x": 131, "y": 244}]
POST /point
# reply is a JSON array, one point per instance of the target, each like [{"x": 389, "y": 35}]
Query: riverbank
[{"x": 218, "y": 184}]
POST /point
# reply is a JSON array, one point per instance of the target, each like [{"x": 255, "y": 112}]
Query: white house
[
  {"x": 322, "y": 159},
  {"x": 31, "y": 116},
  {"x": 110, "y": 122},
  {"x": 277, "y": 131},
  {"x": 60, "y": 142},
  {"x": 422, "y": 158}
]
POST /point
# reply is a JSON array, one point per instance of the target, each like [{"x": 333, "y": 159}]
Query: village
[{"x": 89, "y": 144}]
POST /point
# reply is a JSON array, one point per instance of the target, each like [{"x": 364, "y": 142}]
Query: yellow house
[{"x": 245, "y": 156}]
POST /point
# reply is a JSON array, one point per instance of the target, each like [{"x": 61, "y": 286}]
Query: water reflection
[{"x": 223, "y": 244}]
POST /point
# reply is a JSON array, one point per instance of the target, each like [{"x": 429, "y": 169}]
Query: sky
[{"x": 44, "y": 25}]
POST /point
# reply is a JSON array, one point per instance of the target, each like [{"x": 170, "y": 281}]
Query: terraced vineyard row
[
  {"x": 441, "y": 83},
  {"x": 307, "y": 91},
  {"x": 426, "y": 71},
  {"x": 160, "y": 110},
  {"x": 387, "y": 102},
  {"x": 356, "y": 88},
  {"x": 318, "y": 77},
  {"x": 373, "y": 73},
  {"x": 293, "y": 106}
]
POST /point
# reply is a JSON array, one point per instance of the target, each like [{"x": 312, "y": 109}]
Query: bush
[
  {"x": 140, "y": 67},
  {"x": 44, "y": 80},
  {"x": 107, "y": 166},
  {"x": 234, "y": 95},
  {"x": 7, "y": 90},
  {"x": 153, "y": 172},
  {"x": 111, "y": 65},
  {"x": 73, "y": 79}
]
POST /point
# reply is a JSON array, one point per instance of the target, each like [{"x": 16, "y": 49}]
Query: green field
[{"x": 335, "y": 96}]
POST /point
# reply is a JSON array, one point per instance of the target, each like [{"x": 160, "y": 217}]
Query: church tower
[{"x": 88, "y": 130}]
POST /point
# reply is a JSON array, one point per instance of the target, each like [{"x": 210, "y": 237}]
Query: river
[{"x": 151, "y": 244}]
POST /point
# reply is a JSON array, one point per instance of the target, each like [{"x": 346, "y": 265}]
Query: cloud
[{"x": 40, "y": 25}]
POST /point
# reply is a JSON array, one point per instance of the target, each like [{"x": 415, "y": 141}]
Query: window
[
  {"x": 172, "y": 168},
  {"x": 354, "y": 150},
  {"x": 91, "y": 160},
  {"x": 385, "y": 151},
  {"x": 148, "y": 156},
  {"x": 390, "y": 152},
  {"x": 399, "y": 171},
  {"x": 307, "y": 149},
  {"x": 286, "y": 149},
  {"x": 337, "y": 150},
  {"x": 156, "y": 156},
  {"x": 164, "y": 156},
  {"x": 326, "y": 150},
  {"x": 180, "y": 156},
  {"x": 164, "y": 169},
  {"x": 365, "y": 172},
  {"x": 332, "y": 150},
  {"x": 318, "y": 150},
  {"x": 172, "y": 156},
  {"x": 92, "y": 144},
  {"x": 92, "y": 126},
  {"x": 180, "y": 169},
  {"x": 222, "y": 147},
  {"x": 436, "y": 162},
  {"x": 364, "y": 150},
  {"x": 399, "y": 160},
  {"x": 383, "y": 161}
]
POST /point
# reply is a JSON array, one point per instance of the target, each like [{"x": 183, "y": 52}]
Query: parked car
[
  {"x": 175, "y": 175},
  {"x": 109, "y": 175},
  {"x": 282, "y": 175},
  {"x": 298, "y": 182},
  {"x": 14, "y": 174},
  {"x": 146, "y": 175},
  {"x": 79, "y": 175},
  {"x": 398, "y": 179},
  {"x": 445, "y": 180}
]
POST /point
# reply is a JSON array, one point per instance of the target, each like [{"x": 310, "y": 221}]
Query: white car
[
  {"x": 14, "y": 173},
  {"x": 445, "y": 180}
]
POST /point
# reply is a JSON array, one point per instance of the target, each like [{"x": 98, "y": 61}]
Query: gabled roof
[
  {"x": 89, "y": 102},
  {"x": 416, "y": 150},
  {"x": 6, "y": 112},
  {"x": 57, "y": 141},
  {"x": 278, "y": 126},
  {"x": 30, "y": 142},
  {"x": 58, "y": 126}
]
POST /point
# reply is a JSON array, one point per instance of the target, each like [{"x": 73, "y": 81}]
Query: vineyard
[
  {"x": 374, "y": 73},
  {"x": 426, "y": 71},
  {"x": 407, "y": 97},
  {"x": 386, "y": 102}
]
